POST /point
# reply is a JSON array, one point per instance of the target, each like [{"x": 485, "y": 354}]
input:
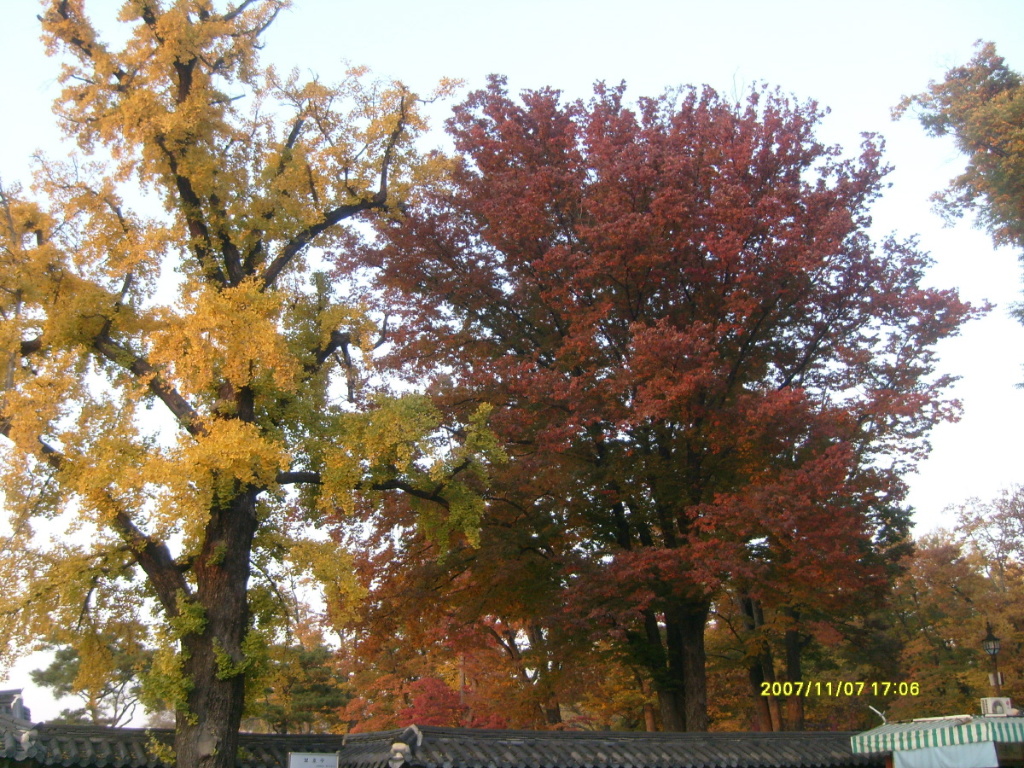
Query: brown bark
[
  {"x": 650, "y": 719},
  {"x": 670, "y": 704},
  {"x": 762, "y": 715},
  {"x": 795, "y": 713},
  {"x": 795, "y": 643},
  {"x": 552, "y": 711},
  {"x": 677, "y": 663},
  {"x": 761, "y": 670},
  {"x": 768, "y": 665},
  {"x": 695, "y": 685},
  {"x": 207, "y": 732}
]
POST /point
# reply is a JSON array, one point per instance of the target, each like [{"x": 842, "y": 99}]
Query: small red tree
[
  {"x": 480, "y": 613},
  {"x": 704, "y": 369}
]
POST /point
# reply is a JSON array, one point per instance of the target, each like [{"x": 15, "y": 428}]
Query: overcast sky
[{"x": 856, "y": 58}]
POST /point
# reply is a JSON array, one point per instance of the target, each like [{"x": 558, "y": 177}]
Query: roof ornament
[
  {"x": 405, "y": 748},
  {"x": 27, "y": 738}
]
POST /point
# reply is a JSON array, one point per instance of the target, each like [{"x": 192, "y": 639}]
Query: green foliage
[
  {"x": 109, "y": 699},
  {"x": 161, "y": 750},
  {"x": 165, "y": 685},
  {"x": 228, "y": 667},
  {"x": 981, "y": 105},
  {"x": 300, "y": 690},
  {"x": 190, "y": 618}
]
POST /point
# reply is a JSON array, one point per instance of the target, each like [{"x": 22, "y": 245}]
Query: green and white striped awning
[{"x": 939, "y": 732}]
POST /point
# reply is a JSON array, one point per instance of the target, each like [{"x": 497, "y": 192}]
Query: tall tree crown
[
  {"x": 189, "y": 443},
  {"x": 705, "y": 370},
  {"x": 981, "y": 105}
]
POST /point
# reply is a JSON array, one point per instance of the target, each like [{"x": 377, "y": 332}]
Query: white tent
[{"x": 961, "y": 741}]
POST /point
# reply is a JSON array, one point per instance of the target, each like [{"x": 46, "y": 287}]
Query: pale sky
[{"x": 856, "y": 58}]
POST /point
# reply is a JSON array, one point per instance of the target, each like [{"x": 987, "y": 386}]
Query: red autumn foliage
[
  {"x": 704, "y": 369},
  {"x": 433, "y": 702}
]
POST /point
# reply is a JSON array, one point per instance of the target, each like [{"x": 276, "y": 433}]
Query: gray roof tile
[{"x": 464, "y": 748}]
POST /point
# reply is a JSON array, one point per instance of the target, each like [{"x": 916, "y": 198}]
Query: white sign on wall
[{"x": 312, "y": 760}]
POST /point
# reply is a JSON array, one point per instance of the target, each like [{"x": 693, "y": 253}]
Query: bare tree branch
[{"x": 233, "y": 14}]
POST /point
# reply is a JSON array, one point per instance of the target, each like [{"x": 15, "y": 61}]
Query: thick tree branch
[
  {"x": 140, "y": 367},
  {"x": 191, "y": 208},
  {"x": 155, "y": 559},
  {"x": 406, "y": 487},
  {"x": 232, "y": 256},
  {"x": 306, "y": 236},
  {"x": 338, "y": 340},
  {"x": 389, "y": 150},
  {"x": 233, "y": 14},
  {"x": 395, "y": 484},
  {"x": 152, "y": 556},
  {"x": 299, "y": 476},
  {"x": 312, "y": 477},
  {"x": 184, "y": 70},
  {"x": 293, "y": 136},
  {"x": 32, "y": 345}
]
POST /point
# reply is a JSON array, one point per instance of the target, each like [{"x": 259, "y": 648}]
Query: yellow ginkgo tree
[{"x": 181, "y": 400}]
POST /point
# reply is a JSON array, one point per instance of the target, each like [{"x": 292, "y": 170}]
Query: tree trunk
[
  {"x": 552, "y": 711},
  {"x": 677, "y": 664},
  {"x": 541, "y": 682},
  {"x": 762, "y": 714},
  {"x": 768, "y": 668},
  {"x": 761, "y": 668},
  {"x": 794, "y": 673},
  {"x": 213, "y": 661},
  {"x": 650, "y": 719},
  {"x": 695, "y": 681}
]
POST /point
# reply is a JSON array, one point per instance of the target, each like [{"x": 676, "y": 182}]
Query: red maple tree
[{"x": 704, "y": 369}]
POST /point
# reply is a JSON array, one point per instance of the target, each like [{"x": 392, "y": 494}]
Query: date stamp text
[{"x": 837, "y": 688}]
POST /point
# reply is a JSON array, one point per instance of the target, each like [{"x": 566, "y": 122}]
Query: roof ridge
[{"x": 505, "y": 733}]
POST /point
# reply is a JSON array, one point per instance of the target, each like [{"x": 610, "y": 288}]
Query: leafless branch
[{"x": 233, "y": 14}]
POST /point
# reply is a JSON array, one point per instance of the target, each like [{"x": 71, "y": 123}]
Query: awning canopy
[{"x": 939, "y": 732}]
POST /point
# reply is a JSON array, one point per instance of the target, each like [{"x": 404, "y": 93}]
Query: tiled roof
[
  {"x": 80, "y": 745},
  {"x": 464, "y": 748},
  {"x": 12, "y": 704},
  {"x": 93, "y": 746},
  {"x": 99, "y": 747}
]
